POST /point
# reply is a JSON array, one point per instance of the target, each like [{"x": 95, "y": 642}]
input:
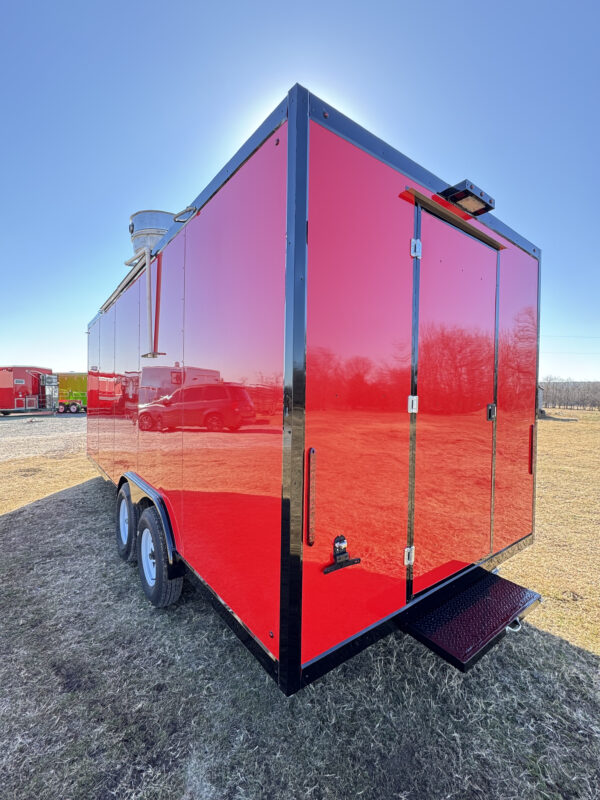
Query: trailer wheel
[
  {"x": 74, "y": 408},
  {"x": 153, "y": 561},
  {"x": 126, "y": 524},
  {"x": 214, "y": 423},
  {"x": 61, "y": 409}
]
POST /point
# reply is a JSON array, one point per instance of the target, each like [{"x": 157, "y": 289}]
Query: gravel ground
[
  {"x": 103, "y": 696},
  {"x": 40, "y": 456},
  {"x": 51, "y": 437}
]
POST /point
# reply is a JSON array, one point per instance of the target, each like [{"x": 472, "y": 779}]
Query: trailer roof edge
[{"x": 325, "y": 115}]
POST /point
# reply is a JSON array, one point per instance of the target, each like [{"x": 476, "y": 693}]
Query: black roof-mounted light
[{"x": 469, "y": 197}]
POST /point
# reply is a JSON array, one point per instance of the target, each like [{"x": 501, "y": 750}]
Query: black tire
[
  {"x": 5, "y": 413},
  {"x": 164, "y": 591},
  {"x": 145, "y": 422},
  {"x": 126, "y": 546},
  {"x": 61, "y": 409},
  {"x": 214, "y": 422},
  {"x": 74, "y": 408}
]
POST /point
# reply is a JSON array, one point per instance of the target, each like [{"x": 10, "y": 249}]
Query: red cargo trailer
[
  {"x": 27, "y": 389},
  {"x": 338, "y": 437}
]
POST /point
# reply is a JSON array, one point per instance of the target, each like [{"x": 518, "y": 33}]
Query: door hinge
[
  {"x": 415, "y": 248},
  {"x": 409, "y": 556},
  {"x": 413, "y": 403}
]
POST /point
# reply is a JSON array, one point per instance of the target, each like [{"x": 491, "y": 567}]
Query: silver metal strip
[
  {"x": 414, "y": 363},
  {"x": 495, "y": 421},
  {"x": 537, "y": 380}
]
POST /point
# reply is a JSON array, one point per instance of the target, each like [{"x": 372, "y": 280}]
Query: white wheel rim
[
  {"x": 124, "y": 521},
  {"x": 148, "y": 557}
]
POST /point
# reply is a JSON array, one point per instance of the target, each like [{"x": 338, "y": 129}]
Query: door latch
[
  {"x": 491, "y": 412},
  {"x": 340, "y": 556},
  {"x": 415, "y": 248}
]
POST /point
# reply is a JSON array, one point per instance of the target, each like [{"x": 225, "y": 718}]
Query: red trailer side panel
[
  {"x": 516, "y": 396},
  {"x": 233, "y": 389},
  {"x": 453, "y": 470},
  {"x": 6, "y": 388},
  {"x": 127, "y": 327},
  {"x": 93, "y": 382},
  {"x": 357, "y": 383},
  {"x": 160, "y": 409},
  {"x": 106, "y": 394}
]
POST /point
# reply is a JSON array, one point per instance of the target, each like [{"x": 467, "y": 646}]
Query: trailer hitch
[{"x": 341, "y": 558}]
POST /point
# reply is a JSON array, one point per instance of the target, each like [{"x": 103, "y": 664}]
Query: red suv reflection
[{"x": 214, "y": 406}]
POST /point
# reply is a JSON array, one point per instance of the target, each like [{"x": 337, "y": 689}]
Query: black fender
[{"x": 139, "y": 490}]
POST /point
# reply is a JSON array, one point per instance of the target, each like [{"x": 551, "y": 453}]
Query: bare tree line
[{"x": 567, "y": 393}]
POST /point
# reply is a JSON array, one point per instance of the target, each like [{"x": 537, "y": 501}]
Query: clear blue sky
[{"x": 110, "y": 107}]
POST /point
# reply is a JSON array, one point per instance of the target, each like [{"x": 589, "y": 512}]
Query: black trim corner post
[{"x": 292, "y": 499}]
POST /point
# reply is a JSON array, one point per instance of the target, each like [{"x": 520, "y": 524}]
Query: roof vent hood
[{"x": 148, "y": 227}]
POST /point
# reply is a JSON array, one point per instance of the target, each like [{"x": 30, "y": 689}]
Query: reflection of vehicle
[
  {"x": 213, "y": 406},
  {"x": 24, "y": 389},
  {"x": 72, "y": 392}
]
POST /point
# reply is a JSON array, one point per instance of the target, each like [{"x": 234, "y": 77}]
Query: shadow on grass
[{"x": 104, "y": 696}]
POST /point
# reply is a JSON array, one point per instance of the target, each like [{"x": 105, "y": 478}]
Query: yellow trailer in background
[{"x": 72, "y": 392}]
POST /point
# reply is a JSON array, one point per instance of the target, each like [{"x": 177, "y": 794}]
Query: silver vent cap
[{"x": 148, "y": 227}]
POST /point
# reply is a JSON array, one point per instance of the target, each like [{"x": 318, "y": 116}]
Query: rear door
[{"x": 455, "y": 385}]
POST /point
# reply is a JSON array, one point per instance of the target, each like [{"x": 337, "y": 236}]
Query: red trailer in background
[
  {"x": 26, "y": 389},
  {"x": 317, "y": 395}
]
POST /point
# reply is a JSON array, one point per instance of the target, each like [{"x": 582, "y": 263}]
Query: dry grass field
[
  {"x": 563, "y": 564},
  {"x": 103, "y": 696}
]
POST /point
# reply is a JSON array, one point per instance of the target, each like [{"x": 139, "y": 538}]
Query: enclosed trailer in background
[
  {"x": 27, "y": 389},
  {"x": 358, "y": 454},
  {"x": 72, "y": 392}
]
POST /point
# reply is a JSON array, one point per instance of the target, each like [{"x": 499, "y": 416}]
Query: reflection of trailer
[
  {"x": 398, "y": 470},
  {"x": 25, "y": 389},
  {"x": 72, "y": 392}
]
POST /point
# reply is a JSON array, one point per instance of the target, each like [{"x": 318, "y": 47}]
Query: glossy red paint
[
  {"x": 359, "y": 287},
  {"x": 233, "y": 389},
  {"x": 127, "y": 344},
  {"x": 106, "y": 393},
  {"x": 160, "y": 415},
  {"x": 453, "y": 471},
  {"x": 92, "y": 388},
  {"x": 517, "y": 353}
]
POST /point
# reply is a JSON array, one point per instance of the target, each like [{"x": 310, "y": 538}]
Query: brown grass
[
  {"x": 564, "y": 563},
  {"x": 102, "y": 696}
]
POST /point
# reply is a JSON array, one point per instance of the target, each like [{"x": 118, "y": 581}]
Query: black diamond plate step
[{"x": 462, "y": 621}]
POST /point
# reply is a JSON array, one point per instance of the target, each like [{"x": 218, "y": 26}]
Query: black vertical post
[{"x": 292, "y": 501}]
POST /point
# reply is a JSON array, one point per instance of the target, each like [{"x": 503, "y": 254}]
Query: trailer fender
[{"x": 141, "y": 490}]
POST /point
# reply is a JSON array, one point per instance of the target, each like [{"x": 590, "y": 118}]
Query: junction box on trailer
[{"x": 327, "y": 393}]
